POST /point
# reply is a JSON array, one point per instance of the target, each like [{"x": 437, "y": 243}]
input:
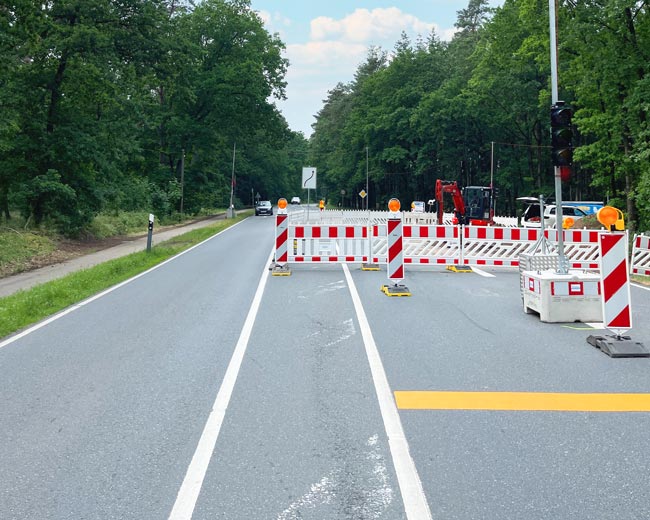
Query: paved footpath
[{"x": 26, "y": 280}]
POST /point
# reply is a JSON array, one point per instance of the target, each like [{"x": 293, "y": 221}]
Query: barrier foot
[
  {"x": 280, "y": 270},
  {"x": 460, "y": 268},
  {"x": 618, "y": 346},
  {"x": 369, "y": 267},
  {"x": 395, "y": 290}
]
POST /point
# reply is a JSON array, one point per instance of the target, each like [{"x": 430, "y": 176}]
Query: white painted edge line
[
  {"x": 640, "y": 286},
  {"x": 483, "y": 273},
  {"x": 188, "y": 493},
  {"x": 76, "y": 306},
  {"x": 415, "y": 502}
]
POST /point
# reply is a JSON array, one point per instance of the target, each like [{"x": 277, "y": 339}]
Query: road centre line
[
  {"x": 413, "y": 497},
  {"x": 482, "y": 273},
  {"x": 522, "y": 401},
  {"x": 91, "y": 299},
  {"x": 189, "y": 491}
]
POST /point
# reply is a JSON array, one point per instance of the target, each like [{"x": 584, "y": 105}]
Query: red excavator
[{"x": 473, "y": 205}]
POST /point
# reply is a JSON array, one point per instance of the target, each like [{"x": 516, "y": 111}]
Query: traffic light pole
[{"x": 563, "y": 264}]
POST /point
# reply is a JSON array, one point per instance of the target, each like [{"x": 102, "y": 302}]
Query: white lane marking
[
  {"x": 415, "y": 502},
  {"x": 483, "y": 273},
  {"x": 375, "y": 501},
  {"x": 596, "y": 325},
  {"x": 104, "y": 293},
  {"x": 188, "y": 494},
  {"x": 320, "y": 493},
  {"x": 640, "y": 286},
  {"x": 348, "y": 331},
  {"x": 383, "y": 493},
  {"x": 333, "y": 286}
]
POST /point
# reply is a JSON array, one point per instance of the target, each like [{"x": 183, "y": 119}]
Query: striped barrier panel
[
  {"x": 328, "y": 244},
  {"x": 281, "y": 237},
  {"x": 641, "y": 255},
  {"x": 496, "y": 246},
  {"x": 435, "y": 245},
  {"x": 395, "y": 267},
  {"x": 499, "y": 246},
  {"x": 580, "y": 247},
  {"x": 617, "y": 313}
]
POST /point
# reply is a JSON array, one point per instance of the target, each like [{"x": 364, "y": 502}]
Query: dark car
[{"x": 264, "y": 207}]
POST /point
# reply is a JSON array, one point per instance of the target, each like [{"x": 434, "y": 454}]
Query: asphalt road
[{"x": 208, "y": 389}]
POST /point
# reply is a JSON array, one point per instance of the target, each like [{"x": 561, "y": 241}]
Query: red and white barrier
[
  {"x": 395, "y": 252},
  {"x": 330, "y": 232},
  {"x": 617, "y": 314},
  {"x": 431, "y": 245},
  {"x": 641, "y": 255},
  {"x": 281, "y": 238}
]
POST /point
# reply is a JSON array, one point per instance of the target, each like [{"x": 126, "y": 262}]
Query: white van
[
  {"x": 550, "y": 218},
  {"x": 575, "y": 209},
  {"x": 531, "y": 217}
]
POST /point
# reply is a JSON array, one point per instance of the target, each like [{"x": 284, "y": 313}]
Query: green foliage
[
  {"x": 437, "y": 109},
  {"x": 100, "y": 99}
]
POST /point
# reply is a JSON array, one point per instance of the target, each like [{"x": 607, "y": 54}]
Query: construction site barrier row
[{"x": 437, "y": 245}]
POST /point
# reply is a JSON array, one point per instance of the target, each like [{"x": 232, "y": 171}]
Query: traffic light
[{"x": 561, "y": 135}]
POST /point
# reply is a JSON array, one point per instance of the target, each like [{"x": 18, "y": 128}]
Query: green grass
[
  {"x": 25, "y": 308},
  {"x": 643, "y": 280},
  {"x": 17, "y": 247}
]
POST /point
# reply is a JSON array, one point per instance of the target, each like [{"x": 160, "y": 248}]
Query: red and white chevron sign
[
  {"x": 395, "y": 253},
  {"x": 617, "y": 313},
  {"x": 281, "y": 236}
]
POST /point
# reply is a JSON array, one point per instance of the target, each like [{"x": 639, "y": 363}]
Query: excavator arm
[{"x": 451, "y": 187}]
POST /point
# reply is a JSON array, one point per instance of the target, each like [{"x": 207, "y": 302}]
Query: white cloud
[
  {"x": 369, "y": 26},
  {"x": 274, "y": 22},
  {"x": 325, "y": 55},
  {"x": 333, "y": 52}
]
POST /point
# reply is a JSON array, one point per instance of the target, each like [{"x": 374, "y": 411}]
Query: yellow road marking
[{"x": 522, "y": 401}]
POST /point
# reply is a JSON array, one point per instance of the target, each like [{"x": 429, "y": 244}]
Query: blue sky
[{"x": 327, "y": 40}]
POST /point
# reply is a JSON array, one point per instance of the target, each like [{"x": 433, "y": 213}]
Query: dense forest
[
  {"x": 123, "y": 105},
  {"x": 108, "y": 104},
  {"x": 477, "y": 108}
]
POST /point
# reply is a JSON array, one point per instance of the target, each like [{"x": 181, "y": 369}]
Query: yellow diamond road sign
[{"x": 363, "y": 194}]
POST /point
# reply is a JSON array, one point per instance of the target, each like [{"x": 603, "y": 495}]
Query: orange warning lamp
[
  {"x": 282, "y": 203},
  {"x": 568, "y": 222},
  {"x": 611, "y": 218},
  {"x": 394, "y": 205}
]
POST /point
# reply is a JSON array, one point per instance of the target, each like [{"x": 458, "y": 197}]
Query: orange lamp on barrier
[
  {"x": 394, "y": 205},
  {"x": 611, "y": 218},
  {"x": 568, "y": 222},
  {"x": 282, "y": 203}
]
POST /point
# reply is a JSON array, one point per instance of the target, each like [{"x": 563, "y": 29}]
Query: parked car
[
  {"x": 550, "y": 219},
  {"x": 531, "y": 217},
  {"x": 295, "y": 200},
  {"x": 264, "y": 207}
]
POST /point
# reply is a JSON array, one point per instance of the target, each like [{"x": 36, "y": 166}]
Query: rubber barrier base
[
  {"x": 395, "y": 290},
  {"x": 618, "y": 346},
  {"x": 460, "y": 268},
  {"x": 369, "y": 267},
  {"x": 280, "y": 270}
]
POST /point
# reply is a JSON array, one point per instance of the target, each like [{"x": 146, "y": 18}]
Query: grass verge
[{"x": 25, "y": 308}]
